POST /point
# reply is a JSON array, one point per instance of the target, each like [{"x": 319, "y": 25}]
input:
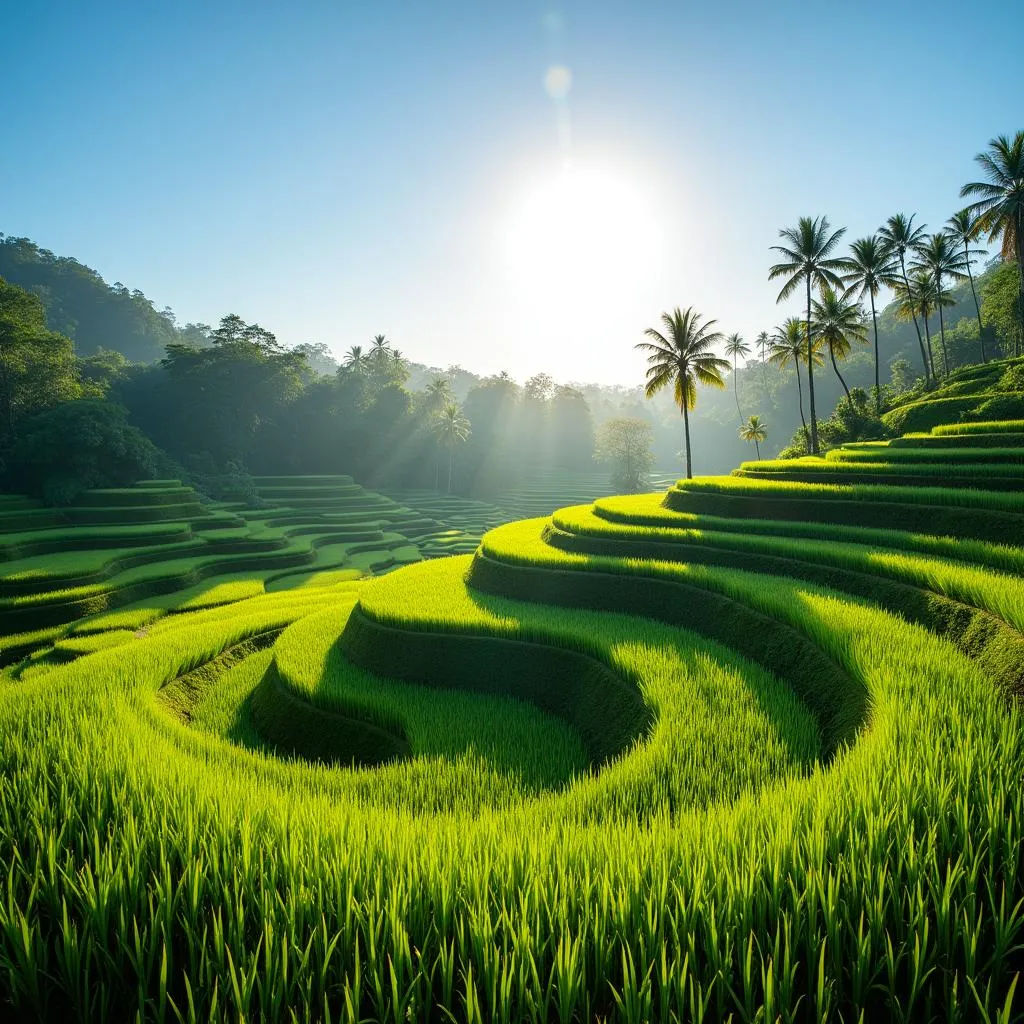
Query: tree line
[{"x": 918, "y": 268}]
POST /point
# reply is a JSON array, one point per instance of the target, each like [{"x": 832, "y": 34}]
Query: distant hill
[{"x": 82, "y": 306}]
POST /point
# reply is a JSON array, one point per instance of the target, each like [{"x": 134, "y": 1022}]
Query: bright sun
[{"x": 582, "y": 235}]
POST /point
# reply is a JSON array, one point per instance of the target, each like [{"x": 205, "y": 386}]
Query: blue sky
[{"x": 335, "y": 170}]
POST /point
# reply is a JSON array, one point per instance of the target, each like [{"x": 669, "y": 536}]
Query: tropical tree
[
  {"x": 872, "y": 267},
  {"x": 788, "y": 347},
  {"x": 624, "y": 445},
  {"x": 919, "y": 298},
  {"x": 939, "y": 256},
  {"x": 1000, "y": 206},
  {"x": 965, "y": 228},
  {"x": 452, "y": 429},
  {"x": 683, "y": 357},
  {"x": 807, "y": 258},
  {"x": 754, "y": 430},
  {"x": 899, "y": 235},
  {"x": 438, "y": 394},
  {"x": 735, "y": 346},
  {"x": 354, "y": 359},
  {"x": 762, "y": 343},
  {"x": 837, "y": 322},
  {"x": 380, "y": 350}
]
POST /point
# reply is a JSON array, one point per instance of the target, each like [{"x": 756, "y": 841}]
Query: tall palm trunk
[
  {"x": 835, "y": 366},
  {"x": 928, "y": 335},
  {"x": 977, "y": 308},
  {"x": 942, "y": 325},
  {"x": 757, "y": 448},
  {"x": 917, "y": 327},
  {"x": 878, "y": 386},
  {"x": 451, "y": 462},
  {"x": 800, "y": 395},
  {"x": 810, "y": 374},
  {"x": 686, "y": 432},
  {"x": 736, "y": 389}
]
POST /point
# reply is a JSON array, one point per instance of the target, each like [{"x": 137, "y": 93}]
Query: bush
[
  {"x": 77, "y": 446},
  {"x": 851, "y": 420}
]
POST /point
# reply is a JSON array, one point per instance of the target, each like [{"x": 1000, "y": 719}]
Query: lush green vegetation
[
  {"x": 745, "y": 749},
  {"x": 638, "y": 760}
]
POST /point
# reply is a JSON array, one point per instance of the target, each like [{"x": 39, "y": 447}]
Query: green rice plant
[
  {"x": 933, "y": 412},
  {"x": 950, "y": 442},
  {"x": 989, "y": 427},
  {"x": 879, "y": 470},
  {"x": 818, "y": 819},
  {"x": 645, "y": 510},
  {"x": 950, "y": 456},
  {"x": 979, "y": 514}
]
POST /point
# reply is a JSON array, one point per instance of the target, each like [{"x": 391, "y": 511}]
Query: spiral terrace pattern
[{"x": 676, "y": 757}]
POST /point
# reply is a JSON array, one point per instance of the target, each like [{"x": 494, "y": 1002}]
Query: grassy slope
[{"x": 630, "y": 762}]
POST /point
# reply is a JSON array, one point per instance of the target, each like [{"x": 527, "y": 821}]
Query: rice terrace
[{"x": 636, "y": 671}]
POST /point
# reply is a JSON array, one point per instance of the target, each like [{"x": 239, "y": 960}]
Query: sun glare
[{"x": 581, "y": 235}]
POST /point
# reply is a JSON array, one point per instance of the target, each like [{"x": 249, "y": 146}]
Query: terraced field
[{"x": 748, "y": 750}]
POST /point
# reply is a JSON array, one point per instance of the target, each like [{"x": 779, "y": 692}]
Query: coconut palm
[
  {"x": 379, "y": 350},
  {"x": 452, "y": 429},
  {"x": 735, "y": 346},
  {"x": 940, "y": 257},
  {"x": 755, "y": 430},
  {"x": 807, "y": 258},
  {"x": 919, "y": 298},
  {"x": 900, "y": 236},
  {"x": 964, "y": 227},
  {"x": 837, "y": 323},
  {"x": 1000, "y": 206},
  {"x": 683, "y": 357},
  {"x": 873, "y": 266},
  {"x": 354, "y": 358},
  {"x": 438, "y": 394},
  {"x": 787, "y": 347},
  {"x": 762, "y": 343}
]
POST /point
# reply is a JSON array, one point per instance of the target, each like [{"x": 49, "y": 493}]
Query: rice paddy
[{"x": 747, "y": 749}]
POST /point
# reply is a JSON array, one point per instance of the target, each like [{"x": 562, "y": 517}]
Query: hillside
[{"x": 787, "y": 701}]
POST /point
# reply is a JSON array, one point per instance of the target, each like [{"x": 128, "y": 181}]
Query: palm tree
[
  {"x": 762, "y": 344},
  {"x": 940, "y": 257},
  {"x": 754, "y": 430},
  {"x": 920, "y": 299},
  {"x": 379, "y": 350},
  {"x": 899, "y": 235},
  {"x": 354, "y": 359},
  {"x": 836, "y": 323},
  {"x": 452, "y": 429},
  {"x": 872, "y": 267},
  {"x": 788, "y": 347},
  {"x": 965, "y": 228},
  {"x": 683, "y": 358},
  {"x": 807, "y": 259},
  {"x": 1000, "y": 208},
  {"x": 438, "y": 393},
  {"x": 735, "y": 346}
]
